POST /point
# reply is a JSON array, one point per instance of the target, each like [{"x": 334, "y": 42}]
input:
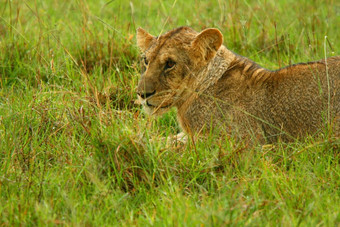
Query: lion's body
[
  {"x": 287, "y": 103},
  {"x": 214, "y": 88}
]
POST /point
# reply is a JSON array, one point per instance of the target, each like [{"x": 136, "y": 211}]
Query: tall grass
[{"x": 76, "y": 150}]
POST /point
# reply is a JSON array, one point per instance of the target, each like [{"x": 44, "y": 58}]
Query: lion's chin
[{"x": 155, "y": 111}]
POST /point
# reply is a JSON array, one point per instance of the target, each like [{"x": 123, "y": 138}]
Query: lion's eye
[
  {"x": 146, "y": 62},
  {"x": 169, "y": 64}
]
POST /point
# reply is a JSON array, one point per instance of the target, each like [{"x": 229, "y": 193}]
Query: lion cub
[{"x": 215, "y": 89}]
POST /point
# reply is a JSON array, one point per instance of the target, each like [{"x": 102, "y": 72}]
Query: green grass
[{"x": 76, "y": 151}]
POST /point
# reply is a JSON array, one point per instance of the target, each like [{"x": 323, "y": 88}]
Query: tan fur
[{"x": 213, "y": 88}]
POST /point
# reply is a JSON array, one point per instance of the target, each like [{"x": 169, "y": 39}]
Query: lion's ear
[
  {"x": 144, "y": 39},
  {"x": 206, "y": 44}
]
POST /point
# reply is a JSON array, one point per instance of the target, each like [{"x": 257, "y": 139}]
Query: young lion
[{"x": 213, "y": 88}]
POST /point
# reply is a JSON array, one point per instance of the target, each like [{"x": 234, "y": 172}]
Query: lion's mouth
[
  {"x": 153, "y": 106},
  {"x": 158, "y": 106}
]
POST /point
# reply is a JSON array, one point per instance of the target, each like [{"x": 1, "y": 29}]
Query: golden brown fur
[{"x": 213, "y": 88}]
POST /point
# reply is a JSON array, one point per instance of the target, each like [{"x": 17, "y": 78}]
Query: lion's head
[{"x": 170, "y": 63}]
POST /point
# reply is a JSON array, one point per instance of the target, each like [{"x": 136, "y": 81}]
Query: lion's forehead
[
  {"x": 174, "y": 52},
  {"x": 170, "y": 45},
  {"x": 165, "y": 55}
]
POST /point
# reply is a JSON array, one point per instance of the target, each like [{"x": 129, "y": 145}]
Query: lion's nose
[{"x": 146, "y": 94}]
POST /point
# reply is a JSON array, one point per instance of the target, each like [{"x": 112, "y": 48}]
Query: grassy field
[{"x": 75, "y": 150}]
